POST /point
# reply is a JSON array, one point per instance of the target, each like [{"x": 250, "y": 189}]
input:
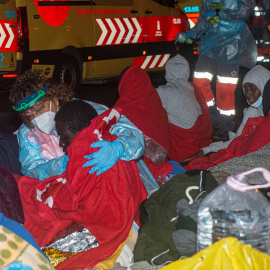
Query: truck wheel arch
[{"x": 68, "y": 70}]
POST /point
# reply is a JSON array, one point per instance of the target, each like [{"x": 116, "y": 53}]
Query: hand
[
  {"x": 209, "y": 13},
  {"x": 106, "y": 157},
  {"x": 185, "y": 34}
]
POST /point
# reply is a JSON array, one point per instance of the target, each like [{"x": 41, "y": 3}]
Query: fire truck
[{"x": 79, "y": 40}]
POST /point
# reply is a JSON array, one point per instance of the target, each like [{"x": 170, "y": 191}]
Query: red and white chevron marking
[
  {"x": 7, "y": 36},
  {"x": 119, "y": 31},
  {"x": 151, "y": 61}
]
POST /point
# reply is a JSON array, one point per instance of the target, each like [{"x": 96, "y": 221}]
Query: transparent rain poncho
[{"x": 231, "y": 41}]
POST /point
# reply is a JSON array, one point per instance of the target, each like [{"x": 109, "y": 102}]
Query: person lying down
[{"x": 106, "y": 205}]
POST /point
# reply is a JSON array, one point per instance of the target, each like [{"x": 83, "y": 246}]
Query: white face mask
[
  {"x": 45, "y": 122},
  {"x": 257, "y": 103}
]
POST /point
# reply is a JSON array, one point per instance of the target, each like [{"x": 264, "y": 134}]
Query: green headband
[{"x": 29, "y": 101}]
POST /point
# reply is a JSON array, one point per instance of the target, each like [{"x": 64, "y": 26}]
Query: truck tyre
[{"x": 68, "y": 71}]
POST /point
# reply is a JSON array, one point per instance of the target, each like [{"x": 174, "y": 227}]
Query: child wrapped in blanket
[{"x": 105, "y": 204}]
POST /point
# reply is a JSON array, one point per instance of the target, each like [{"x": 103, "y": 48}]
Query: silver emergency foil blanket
[{"x": 75, "y": 242}]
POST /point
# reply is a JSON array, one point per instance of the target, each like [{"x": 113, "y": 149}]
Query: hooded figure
[
  {"x": 257, "y": 76},
  {"x": 188, "y": 114},
  {"x": 223, "y": 47},
  {"x": 141, "y": 104},
  {"x": 177, "y": 96}
]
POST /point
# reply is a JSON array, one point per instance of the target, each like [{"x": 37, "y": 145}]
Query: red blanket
[
  {"x": 187, "y": 142},
  {"x": 106, "y": 204},
  {"x": 140, "y": 103},
  {"x": 158, "y": 170},
  {"x": 255, "y": 135}
]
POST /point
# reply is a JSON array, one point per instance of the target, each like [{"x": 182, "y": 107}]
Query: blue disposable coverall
[
  {"x": 41, "y": 156},
  {"x": 231, "y": 41},
  {"x": 223, "y": 49}
]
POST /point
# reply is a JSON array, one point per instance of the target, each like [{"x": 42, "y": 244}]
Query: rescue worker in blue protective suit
[
  {"x": 37, "y": 102},
  {"x": 222, "y": 49}
]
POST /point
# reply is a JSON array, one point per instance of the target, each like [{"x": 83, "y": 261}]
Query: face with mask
[
  {"x": 253, "y": 85},
  {"x": 253, "y": 95},
  {"x": 41, "y": 115}
]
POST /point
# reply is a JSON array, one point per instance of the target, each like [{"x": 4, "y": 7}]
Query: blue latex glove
[
  {"x": 64, "y": 164},
  {"x": 106, "y": 157},
  {"x": 186, "y": 34},
  {"x": 209, "y": 13}
]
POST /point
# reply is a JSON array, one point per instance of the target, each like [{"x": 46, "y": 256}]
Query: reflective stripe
[
  {"x": 155, "y": 61},
  {"x": 260, "y": 58},
  {"x": 227, "y": 112},
  {"x": 227, "y": 80},
  {"x": 211, "y": 103},
  {"x": 164, "y": 60},
  {"x": 146, "y": 61},
  {"x": 203, "y": 75}
]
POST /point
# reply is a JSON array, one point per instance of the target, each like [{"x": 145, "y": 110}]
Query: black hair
[
  {"x": 266, "y": 98},
  {"x": 76, "y": 115},
  {"x": 122, "y": 74},
  {"x": 31, "y": 81}
]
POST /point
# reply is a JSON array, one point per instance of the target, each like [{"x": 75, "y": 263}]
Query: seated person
[
  {"x": 188, "y": 114},
  {"x": 141, "y": 104},
  {"x": 105, "y": 204},
  {"x": 37, "y": 100},
  {"x": 253, "y": 86}
]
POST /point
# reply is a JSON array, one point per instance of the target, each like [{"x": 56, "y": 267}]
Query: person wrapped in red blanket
[
  {"x": 141, "y": 104},
  {"x": 188, "y": 114},
  {"x": 104, "y": 204},
  {"x": 253, "y": 132}
]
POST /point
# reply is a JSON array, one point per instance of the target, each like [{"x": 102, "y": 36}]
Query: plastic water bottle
[
  {"x": 236, "y": 209},
  {"x": 182, "y": 38}
]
